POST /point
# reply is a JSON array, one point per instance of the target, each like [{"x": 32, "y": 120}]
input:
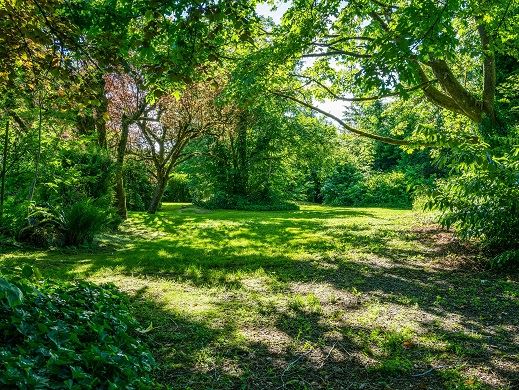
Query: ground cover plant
[
  {"x": 73, "y": 335},
  {"x": 324, "y": 297}
]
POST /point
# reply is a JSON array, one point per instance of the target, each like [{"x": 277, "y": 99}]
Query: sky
[{"x": 335, "y": 107}]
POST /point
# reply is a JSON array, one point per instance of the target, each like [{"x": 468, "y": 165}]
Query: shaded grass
[{"x": 318, "y": 298}]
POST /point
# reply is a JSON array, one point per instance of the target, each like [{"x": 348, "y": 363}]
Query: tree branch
[
  {"x": 337, "y": 52},
  {"x": 366, "y": 98},
  {"x": 436, "y": 96},
  {"x": 387, "y": 140},
  {"x": 19, "y": 121},
  {"x": 463, "y": 98}
]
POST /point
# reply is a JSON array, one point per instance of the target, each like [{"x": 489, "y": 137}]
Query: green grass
[{"x": 323, "y": 297}]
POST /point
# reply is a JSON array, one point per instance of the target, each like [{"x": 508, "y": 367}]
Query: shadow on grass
[
  {"x": 196, "y": 354},
  {"x": 467, "y": 318}
]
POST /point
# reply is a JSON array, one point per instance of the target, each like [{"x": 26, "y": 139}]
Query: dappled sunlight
[{"x": 325, "y": 294}]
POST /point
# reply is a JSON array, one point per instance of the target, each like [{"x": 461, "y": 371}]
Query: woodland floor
[{"x": 321, "y": 298}]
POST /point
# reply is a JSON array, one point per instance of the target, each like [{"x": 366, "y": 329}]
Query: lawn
[{"x": 328, "y": 298}]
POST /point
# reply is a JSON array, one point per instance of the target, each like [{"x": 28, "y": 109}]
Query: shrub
[
  {"x": 68, "y": 335},
  {"x": 74, "y": 224},
  {"x": 79, "y": 171},
  {"x": 509, "y": 258},
  {"x": 82, "y": 221},
  {"x": 342, "y": 188},
  {"x": 224, "y": 201},
  {"x": 138, "y": 186},
  {"x": 481, "y": 198},
  {"x": 42, "y": 228},
  {"x": 14, "y": 216},
  {"x": 348, "y": 186},
  {"x": 177, "y": 189},
  {"x": 388, "y": 189},
  {"x": 481, "y": 205}
]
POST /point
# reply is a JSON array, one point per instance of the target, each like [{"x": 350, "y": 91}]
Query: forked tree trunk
[{"x": 157, "y": 194}]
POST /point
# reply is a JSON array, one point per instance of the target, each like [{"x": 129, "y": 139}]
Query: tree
[
  {"x": 172, "y": 125},
  {"x": 126, "y": 105},
  {"x": 366, "y": 50}
]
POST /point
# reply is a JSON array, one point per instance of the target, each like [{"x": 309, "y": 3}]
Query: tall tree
[
  {"x": 126, "y": 104},
  {"x": 367, "y": 50},
  {"x": 176, "y": 121}
]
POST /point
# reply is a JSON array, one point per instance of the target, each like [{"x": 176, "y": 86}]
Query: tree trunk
[
  {"x": 4, "y": 168},
  {"x": 100, "y": 116},
  {"x": 242, "y": 176},
  {"x": 162, "y": 181},
  {"x": 101, "y": 125},
  {"x": 37, "y": 162},
  {"x": 120, "y": 193}
]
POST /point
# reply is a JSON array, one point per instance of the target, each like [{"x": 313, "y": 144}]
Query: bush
[
  {"x": 75, "y": 224},
  {"x": 481, "y": 205},
  {"x": 388, "y": 189},
  {"x": 138, "y": 186},
  {"x": 177, "y": 189},
  {"x": 68, "y": 335},
  {"x": 348, "y": 186},
  {"x": 229, "y": 202},
  {"x": 42, "y": 228},
  {"x": 342, "y": 188},
  {"x": 15, "y": 216},
  {"x": 509, "y": 258},
  {"x": 72, "y": 201},
  {"x": 82, "y": 221}
]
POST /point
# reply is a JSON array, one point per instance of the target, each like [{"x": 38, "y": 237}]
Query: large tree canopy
[{"x": 456, "y": 53}]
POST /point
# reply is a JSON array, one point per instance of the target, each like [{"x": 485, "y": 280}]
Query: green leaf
[
  {"x": 12, "y": 293},
  {"x": 147, "y": 330},
  {"x": 27, "y": 271}
]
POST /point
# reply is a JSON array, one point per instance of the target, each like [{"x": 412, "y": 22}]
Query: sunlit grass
[{"x": 301, "y": 299}]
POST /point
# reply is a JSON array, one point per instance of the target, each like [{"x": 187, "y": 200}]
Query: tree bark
[
  {"x": 162, "y": 181},
  {"x": 489, "y": 73},
  {"x": 120, "y": 193},
  {"x": 471, "y": 106},
  {"x": 241, "y": 150},
  {"x": 4, "y": 168}
]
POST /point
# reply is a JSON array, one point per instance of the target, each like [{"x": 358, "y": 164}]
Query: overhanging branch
[
  {"x": 366, "y": 98},
  {"x": 387, "y": 140}
]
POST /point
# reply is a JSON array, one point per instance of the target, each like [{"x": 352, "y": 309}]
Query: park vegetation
[{"x": 110, "y": 107}]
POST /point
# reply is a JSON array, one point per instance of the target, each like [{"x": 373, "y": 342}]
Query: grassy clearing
[{"x": 333, "y": 298}]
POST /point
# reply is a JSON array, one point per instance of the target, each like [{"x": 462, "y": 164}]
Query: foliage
[
  {"x": 78, "y": 170},
  {"x": 70, "y": 225},
  {"x": 386, "y": 189},
  {"x": 137, "y": 183},
  {"x": 266, "y": 157},
  {"x": 348, "y": 186},
  {"x": 342, "y": 187},
  {"x": 82, "y": 220},
  {"x": 71, "y": 203},
  {"x": 482, "y": 199},
  {"x": 177, "y": 189},
  {"x": 68, "y": 335}
]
